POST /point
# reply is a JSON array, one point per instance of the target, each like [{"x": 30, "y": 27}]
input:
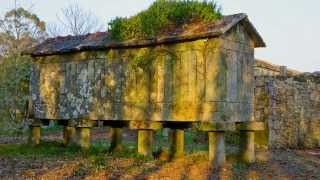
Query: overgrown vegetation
[
  {"x": 161, "y": 14},
  {"x": 19, "y": 30}
]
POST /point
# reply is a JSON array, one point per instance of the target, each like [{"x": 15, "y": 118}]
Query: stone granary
[{"x": 199, "y": 76}]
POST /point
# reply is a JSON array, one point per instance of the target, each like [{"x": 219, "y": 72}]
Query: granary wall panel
[{"x": 203, "y": 80}]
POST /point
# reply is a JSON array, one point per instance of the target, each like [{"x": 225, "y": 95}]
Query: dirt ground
[{"x": 275, "y": 164}]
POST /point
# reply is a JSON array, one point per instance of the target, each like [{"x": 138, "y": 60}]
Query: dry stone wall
[{"x": 290, "y": 106}]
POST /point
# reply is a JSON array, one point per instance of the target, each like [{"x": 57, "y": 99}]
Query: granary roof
[{"x": 187, "y": 32}]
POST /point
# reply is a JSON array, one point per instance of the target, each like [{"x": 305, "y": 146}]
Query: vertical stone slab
[
  {"x": 145, "y": 139},
  {"x": 83, "y": 135},
  {"x": 176, "y": 139},
  {"x": 116, "y": 140},
  {"x": 68, "y": 135},
  {"x": 35, "y": 135},
  {"x": 247, "y": 151}
]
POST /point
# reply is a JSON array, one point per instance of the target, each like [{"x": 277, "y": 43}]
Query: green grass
[
  {"x": 53, "y": 129},
  {"x": 54, "y": 149},
  {"x": 45, "y": 149}
]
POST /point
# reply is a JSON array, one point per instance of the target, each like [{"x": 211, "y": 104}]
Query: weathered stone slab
[
  {"x": 147, "y": 125},
  {"x": 216, "y": 126},
  {"x": 250, "y": 126}
]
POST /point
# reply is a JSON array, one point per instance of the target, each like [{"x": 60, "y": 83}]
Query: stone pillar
[
  {"x": 83, "y": 135},
  {"x": 176, "y": 140},
  {"x": 217, "y": 151},
  {"x": 247, "y": 130},
  {"x": 145, "y": 135},
  {"x": 116, "y": 140},
  {"x": 212, "y": 145},
  {"x": 68, "y": 135},
  {"x": 145, "y": 139},
  {"x": 283, "y": 71},
  {"x": 247, "y": 151},
  {"x": 35, "y": 134}
]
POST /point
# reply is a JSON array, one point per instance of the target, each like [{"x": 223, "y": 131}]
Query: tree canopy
[{"x": 20, "y": 29}]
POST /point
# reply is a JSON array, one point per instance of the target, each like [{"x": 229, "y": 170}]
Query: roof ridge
[{"x": 102, "y": 40}]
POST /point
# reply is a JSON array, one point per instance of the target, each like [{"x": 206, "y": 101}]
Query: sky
[{"x": 290, "y": 28}]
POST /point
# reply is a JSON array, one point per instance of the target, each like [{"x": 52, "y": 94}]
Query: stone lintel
[
  {"x": 250, "y": 126},
  {"x": 216, "y": 126},
  {"x": 145, "y": 125}
]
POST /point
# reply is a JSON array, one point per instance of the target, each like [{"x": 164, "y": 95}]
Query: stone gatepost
[
  {"x": 216, "y": 133},
  {"x": 247, "y": 146},
  {"x": 35, "y": 132},
  {"x": 145, "y": 135}
]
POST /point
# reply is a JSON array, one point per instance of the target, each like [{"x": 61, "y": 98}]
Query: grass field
[{"x": 51, "y": 160}]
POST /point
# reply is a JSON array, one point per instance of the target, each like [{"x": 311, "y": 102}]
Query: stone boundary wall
[
  {"x": 290, "y": 107},
  {"x": 264, "y": 68}
]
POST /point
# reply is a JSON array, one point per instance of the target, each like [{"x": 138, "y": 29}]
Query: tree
[
  {"x": 75, "y": 21},
  {"x": 19, "y": 30}
]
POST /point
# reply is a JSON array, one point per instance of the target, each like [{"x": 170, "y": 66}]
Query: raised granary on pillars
[{"x": 196, "y": 75}]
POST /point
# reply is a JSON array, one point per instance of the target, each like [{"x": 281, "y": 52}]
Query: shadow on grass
[{"x": 51, "y": 149}]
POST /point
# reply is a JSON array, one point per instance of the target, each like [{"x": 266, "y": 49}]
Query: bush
[
  {"x": 14, "y": 91},
  {"x": 160, "y": 14}
]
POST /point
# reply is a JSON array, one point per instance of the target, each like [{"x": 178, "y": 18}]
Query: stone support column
[
  {"x": 145, "y": 139},
  {"x": 217, "y": 150},
  {"x": 176, "y": 140},
  {"x": 216, "y": 135},
  {"x": 83, "y": 136},
  {"x": 145, "y": 135},
  {"x": 35, "y": 135},
  {"x": 116, "y": 140},
  {"x": 247, "y": 131},
  {"x": 247, "y": 150},
  {"x": 69, "y": 134},
  {"x": 35, "y": 132}
]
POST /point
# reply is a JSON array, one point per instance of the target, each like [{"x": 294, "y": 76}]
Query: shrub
[{"x": 160, "y": 14}]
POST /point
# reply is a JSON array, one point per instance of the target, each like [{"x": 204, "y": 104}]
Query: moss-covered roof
[{"x": 184, "y": 32}]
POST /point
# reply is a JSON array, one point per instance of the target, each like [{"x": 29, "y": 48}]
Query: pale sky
[{"x": 290, "y": 28}]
